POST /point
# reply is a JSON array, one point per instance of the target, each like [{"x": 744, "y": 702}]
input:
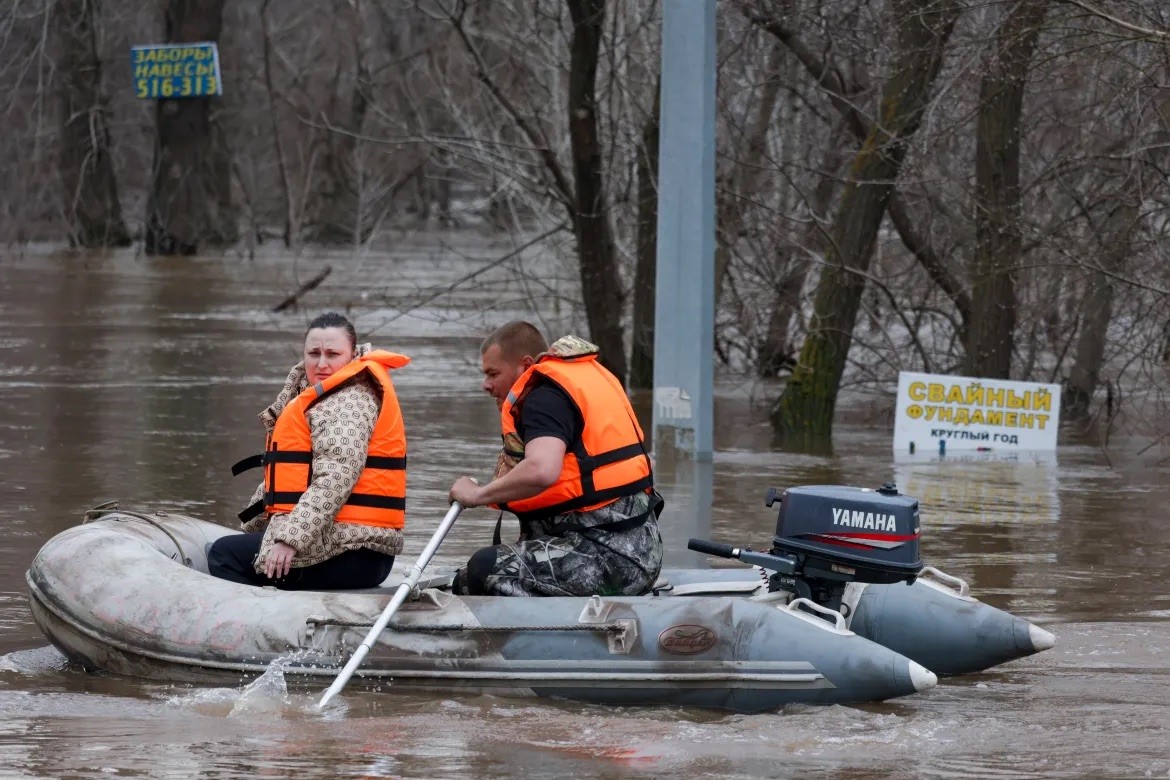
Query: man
[{"x": 574, "y": 471}]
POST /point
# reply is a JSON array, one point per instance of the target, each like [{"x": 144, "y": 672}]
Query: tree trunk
[
  {"x": 803, "y": 416},
  {"x": 646, "y": 270},
  {"x": 1098, "y": 311},
  {"x": 186, "y": 206},
  {"x": 292, "y": 224},
  {"x": 225, "y": 224},
  {"x": 600, "y": 283},
  {"x": 343, "y": 206},
  {"x": 997, "y": 193},
  {"x": 92, "y": 209},
  {"x": 774, "y": 355},
  {"x": 338, "y": 210}
]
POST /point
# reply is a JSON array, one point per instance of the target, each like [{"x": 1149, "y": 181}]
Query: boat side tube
[
  {"x": 936, "y": 622},
  {"x": 722, "y": 652}
]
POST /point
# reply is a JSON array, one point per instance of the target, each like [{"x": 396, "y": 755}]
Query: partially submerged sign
[
  {"x": 940, "y": 413},
  {"x": 176, "y": 70}
]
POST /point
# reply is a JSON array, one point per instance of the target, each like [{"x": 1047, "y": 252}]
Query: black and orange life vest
[
  {"x": 607, "y": 462},
  {"x": 379, "y": 497}
]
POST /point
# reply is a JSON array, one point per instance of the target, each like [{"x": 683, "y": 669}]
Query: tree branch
[
  {"x": 929, "y": 258},
  {"x": 1147, "y": 32},
  {"x": 563, "y": 186},
  {"x": 467, "y": 277},
  {"x": 829, "y": 77}
]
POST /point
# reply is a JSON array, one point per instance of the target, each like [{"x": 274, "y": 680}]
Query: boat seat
[
  {"x": 716, "y": 588},
  {"x": 663, "y": 587},
  {"x": 391, "y": 583}
]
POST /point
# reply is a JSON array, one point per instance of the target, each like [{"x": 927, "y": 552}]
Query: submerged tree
[
  {"x": 527, "y": 98},
  {"x": 997, "y": 192},
  {"x": 803, "y": 416},
  {"x": 190, "y": 198},
  {"x": 601, "y": 286},
  {"x": 646, "y": 269},
  {"x": 92, "y": 210}
]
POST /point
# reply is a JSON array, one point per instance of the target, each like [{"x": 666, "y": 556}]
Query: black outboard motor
[{"x": 828, "y": 536}]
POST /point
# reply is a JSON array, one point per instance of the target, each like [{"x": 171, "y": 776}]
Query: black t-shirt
[{"x": 548, "y": 411}]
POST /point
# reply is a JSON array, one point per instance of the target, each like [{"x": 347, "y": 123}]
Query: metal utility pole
[{"x": 685, "y": 306}]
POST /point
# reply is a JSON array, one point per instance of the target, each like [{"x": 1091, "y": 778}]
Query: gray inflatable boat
[{"x": 128, "y": 593}]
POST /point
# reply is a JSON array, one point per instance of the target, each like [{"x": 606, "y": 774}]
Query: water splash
[
  {"x": 38, "y": 660},
  {"x": 272, "y": 687},
  {"x": 267, "y": 694}
]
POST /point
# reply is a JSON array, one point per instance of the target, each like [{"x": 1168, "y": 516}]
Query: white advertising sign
[{"x": 940, "y": 413}]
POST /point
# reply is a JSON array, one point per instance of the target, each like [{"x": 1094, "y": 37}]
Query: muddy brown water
[{"x": 139, "y": 379}]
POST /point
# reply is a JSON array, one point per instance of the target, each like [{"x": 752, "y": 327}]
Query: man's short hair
[{"x": 516, "y": 339}]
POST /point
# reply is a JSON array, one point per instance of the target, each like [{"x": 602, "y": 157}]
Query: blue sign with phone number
[{"x": 176, "y": 70}]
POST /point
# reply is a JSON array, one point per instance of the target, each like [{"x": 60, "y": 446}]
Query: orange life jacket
[
  {"x": 379, "y": 497},
  {"x": 609, "y": 460}
]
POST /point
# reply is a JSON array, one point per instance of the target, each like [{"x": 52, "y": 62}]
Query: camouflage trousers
[{"x": 576, "y": 563}]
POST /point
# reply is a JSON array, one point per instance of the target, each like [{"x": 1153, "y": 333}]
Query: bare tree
[
  {"x": 292, "y": 227},
  {"x": 846, "y": 83},
  {"x": 803, "y": 416},
  {"x": 581, "y": 192},
  {"x": 189, "y": 202},
  {"x": 743, "y": 181},
  {"x": 645, "y": 273},
  {"x": 1085, "y": 375},
  {"x": 794, "y": 264},
  {"x": 1034, "y": 182},
  {"x": 997, "y": 192},
  {"x": 92, "y": 209},
  {"x": 600, "y": 285}
]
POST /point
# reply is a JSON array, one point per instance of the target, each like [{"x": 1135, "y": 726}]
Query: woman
[{"x": 330, "y": 512}]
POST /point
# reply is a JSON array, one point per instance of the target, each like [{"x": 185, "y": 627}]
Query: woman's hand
[{"x": 279, "y": 561}]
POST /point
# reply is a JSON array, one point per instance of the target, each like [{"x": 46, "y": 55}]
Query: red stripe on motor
[
  {"x": 878, "y": 537},
  {"x": 840, "y": 543}
]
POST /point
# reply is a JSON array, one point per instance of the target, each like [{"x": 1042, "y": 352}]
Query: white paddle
[{"x": 399, "y": 596}]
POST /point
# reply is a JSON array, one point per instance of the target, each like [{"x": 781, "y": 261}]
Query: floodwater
[{"x": 138, "y": 379}]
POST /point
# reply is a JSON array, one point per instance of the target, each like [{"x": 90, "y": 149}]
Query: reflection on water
[
  {"x": 139, "y": 379},
  {"x": 1003, "y": 509},
  {"x": 1031, "y": 721},
  {"x": 689, "y": 485},
  {"x": 972, "y": 487}
]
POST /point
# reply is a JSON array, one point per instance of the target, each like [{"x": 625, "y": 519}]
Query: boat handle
[
  {"x": 947, "y": 579},
  {"x": 838, "y": 618},
  {"x": 181, "y": 557}
]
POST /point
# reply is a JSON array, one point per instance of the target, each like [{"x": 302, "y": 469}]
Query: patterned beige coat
[{"x": 340, "y": 426}]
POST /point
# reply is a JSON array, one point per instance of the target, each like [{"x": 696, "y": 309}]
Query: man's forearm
[{"x": 524, "y": 481}]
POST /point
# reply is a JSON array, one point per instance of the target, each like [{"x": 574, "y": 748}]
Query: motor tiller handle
[{"x": 712, "y": 548}]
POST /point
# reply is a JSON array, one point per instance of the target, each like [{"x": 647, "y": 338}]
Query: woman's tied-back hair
[
  {"x": 516, "y": 339},
  {"x": 332, "y": 319}
]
